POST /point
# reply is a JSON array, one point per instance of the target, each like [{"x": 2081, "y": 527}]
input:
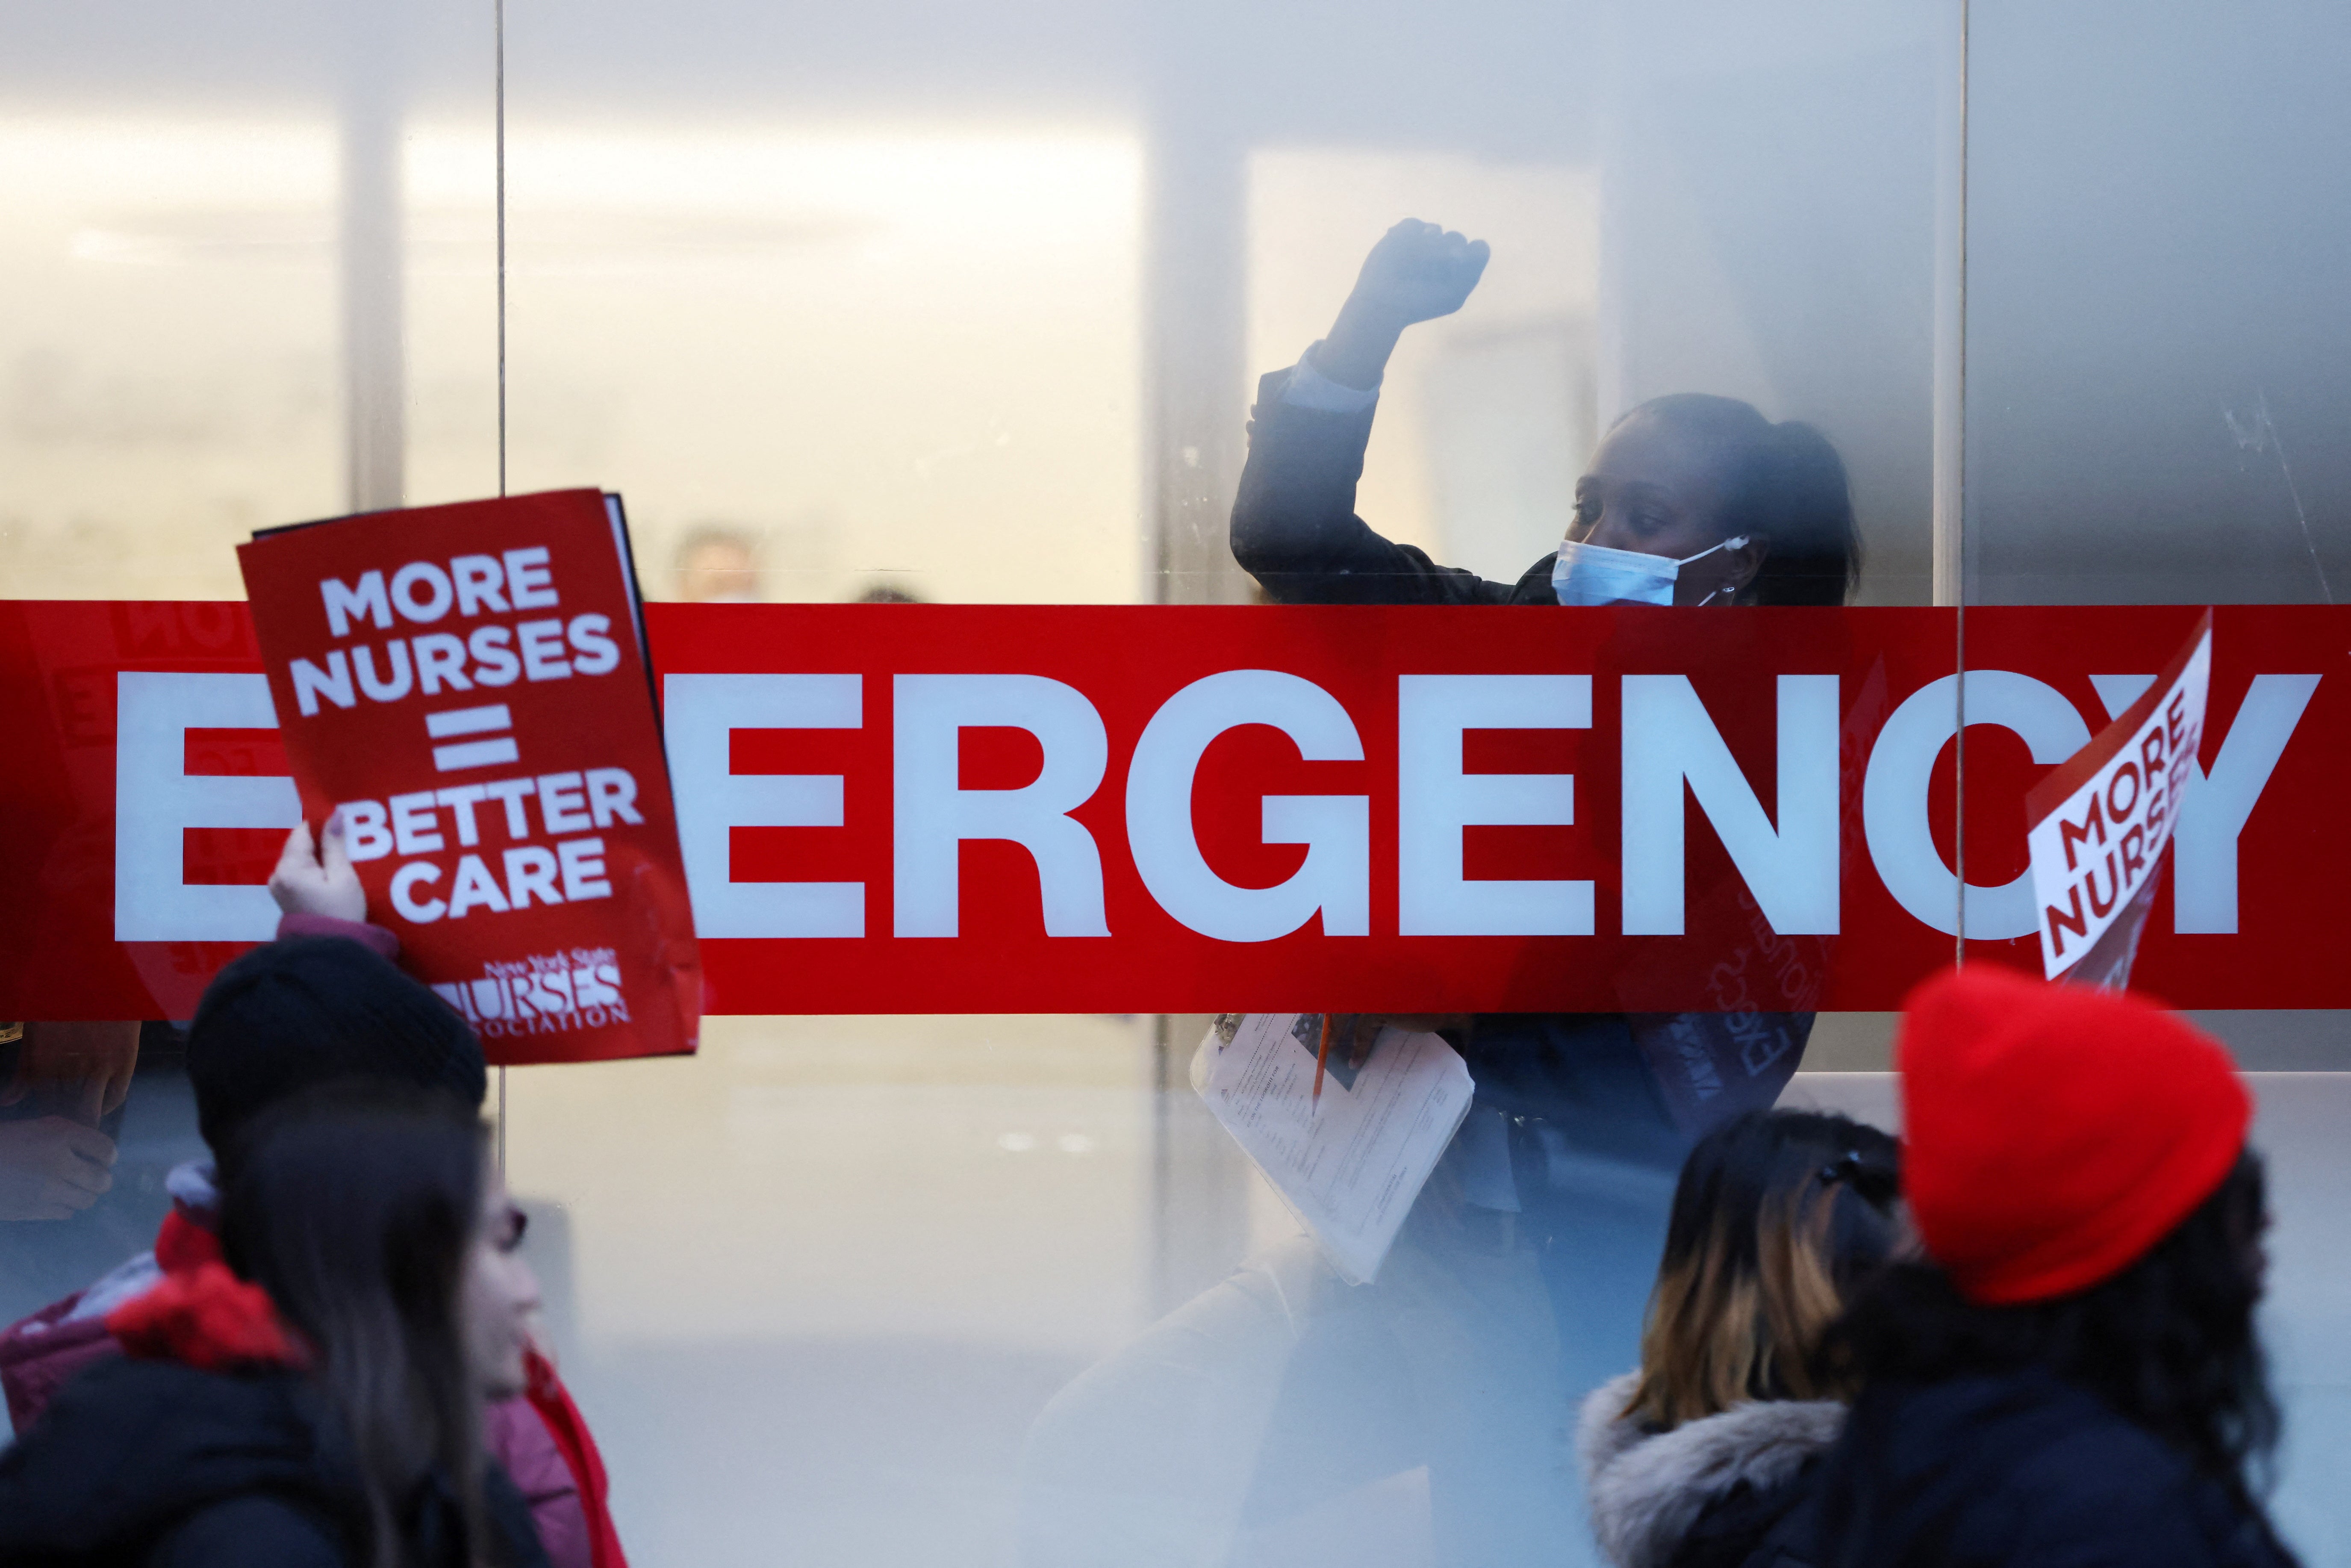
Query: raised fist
[{"x": 1417, "y": 272}]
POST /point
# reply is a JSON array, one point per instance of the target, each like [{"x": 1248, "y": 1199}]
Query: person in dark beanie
[
  {"x": 324, "y": 1004},
  {"x": 2072, "y": 1378},
  {"x": 319, "y": 1010},
  {"x": 314, "y": 1399},
  {"x": 305, "y": 1010}
]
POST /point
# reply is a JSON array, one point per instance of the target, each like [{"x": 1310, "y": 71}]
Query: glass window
[
  {"x": 2155, "y": 381},
  {"x": 912, "y": 305}
]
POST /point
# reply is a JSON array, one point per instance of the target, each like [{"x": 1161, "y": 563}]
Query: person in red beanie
[{"x": 2071, "y": 1377}]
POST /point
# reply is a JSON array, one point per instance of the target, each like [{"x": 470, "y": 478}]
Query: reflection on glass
[
  {"x": 1240, "y": 1425},
  {"x": 2158, "y": 374},
  {"x": 946, "y": 308},
  {"x": 864, "y": 353}
]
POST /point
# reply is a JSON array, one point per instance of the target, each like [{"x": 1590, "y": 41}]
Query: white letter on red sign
[
  {"x": 2213, "y": 811},
  {"x": 701, "y": 714},
  {"x": 1436, "y": 801},
  {"x": 1894, "y": 795},
  {"x": 933, "y": 814},
  {"x": 156, "y": 801},
  {"x": 1335, "y": 829},
  {"x": 1670, "y": 739}
]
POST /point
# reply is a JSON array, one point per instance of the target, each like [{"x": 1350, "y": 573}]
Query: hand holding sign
[
  {"x": 465, "y": 704},
  {"x": 1354, "y": 1034},
  {"x": 312, "y": 880},
  {"x": 52, "y": 1169}
]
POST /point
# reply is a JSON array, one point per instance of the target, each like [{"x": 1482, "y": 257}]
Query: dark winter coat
[
  {"x": 2022, "y": 1470},
  {"x": 1295, "y": 529},
  {"x": 533, "y": 1438},
  {"x": 153, "y": 1464},
  {"x": 1728, "y": 1490}
]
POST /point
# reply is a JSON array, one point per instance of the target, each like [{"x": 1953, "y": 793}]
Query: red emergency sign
[{"x": 897, "y": 808}]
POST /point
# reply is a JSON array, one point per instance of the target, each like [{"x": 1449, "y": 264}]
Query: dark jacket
[
  {"x": 539, "y": 1438},
  {"x": 1644, "y": 1086},
  {"x": 153, "y": 1464},
  {"x": 1728, "y": 1490},
  {"x": 1295, "y": 529},
  {"x": 2022, "y": 1470}
]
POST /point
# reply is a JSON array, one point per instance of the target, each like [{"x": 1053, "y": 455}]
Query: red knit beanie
[{"x": 2053, "y": 1133}]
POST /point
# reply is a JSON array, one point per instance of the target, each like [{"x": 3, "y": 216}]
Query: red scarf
[
  {"x": 205, "y": 1316},
  {"x": 208, "y": 1318},
  {"x": 185, "y": 1244}
]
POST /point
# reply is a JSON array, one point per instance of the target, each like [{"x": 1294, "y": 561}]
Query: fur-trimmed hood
[{"x": 1647, "y": 1490}]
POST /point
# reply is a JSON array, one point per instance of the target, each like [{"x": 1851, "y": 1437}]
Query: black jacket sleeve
[
  {"x": 1295, "y": 529},
  {"x": 253, "y": 1531}
]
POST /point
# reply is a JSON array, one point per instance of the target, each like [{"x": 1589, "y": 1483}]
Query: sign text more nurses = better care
[
  {"x": 540, "y": 844},
  {"x": 463, "y": 690}
]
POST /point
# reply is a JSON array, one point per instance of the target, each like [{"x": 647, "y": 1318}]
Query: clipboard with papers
[{"x": 1349, "y": 1166}]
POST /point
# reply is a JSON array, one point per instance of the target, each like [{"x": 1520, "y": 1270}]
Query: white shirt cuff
[{"x": 1310, "y": 387}]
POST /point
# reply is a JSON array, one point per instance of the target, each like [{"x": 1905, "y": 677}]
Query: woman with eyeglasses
[{"x": 1703, "y": 1456}]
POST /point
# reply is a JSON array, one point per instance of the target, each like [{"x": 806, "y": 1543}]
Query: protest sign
[
  {"x": 466, "y": 689},
  {"x": 2099, "y": 824}
]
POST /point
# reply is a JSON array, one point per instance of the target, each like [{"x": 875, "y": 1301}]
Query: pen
[{"x": 1322, "y": 1059}]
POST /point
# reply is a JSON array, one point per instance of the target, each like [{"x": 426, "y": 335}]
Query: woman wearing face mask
[
  {"x": 1690, "y": 499},
  {"x": 1280, "y": 1395},
  {"x": 1581, "y": 1120},
  {"x": 316, "y": 1401}
]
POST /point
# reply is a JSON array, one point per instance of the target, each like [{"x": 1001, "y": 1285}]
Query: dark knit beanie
[{"x": 321, "y": 1010}]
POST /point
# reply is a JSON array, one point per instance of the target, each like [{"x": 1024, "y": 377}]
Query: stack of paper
[{"x": 1351, "y": 1166}]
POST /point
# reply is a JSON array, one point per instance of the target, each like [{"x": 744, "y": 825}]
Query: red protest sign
[
  {"x": 468, "y": 687},
  {"x": 2110, "y": 808}
]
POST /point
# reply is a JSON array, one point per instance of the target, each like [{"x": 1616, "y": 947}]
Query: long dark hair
[
  {"x": 1788, "y": 488},
  {"x": 356, "y": 1211},
  {"x": 2168, "y": 1342},
  {"x": 1777, "y": 1218}
]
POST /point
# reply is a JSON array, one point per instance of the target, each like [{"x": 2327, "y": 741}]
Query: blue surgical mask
[{"x": 1594, "y": 574}]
